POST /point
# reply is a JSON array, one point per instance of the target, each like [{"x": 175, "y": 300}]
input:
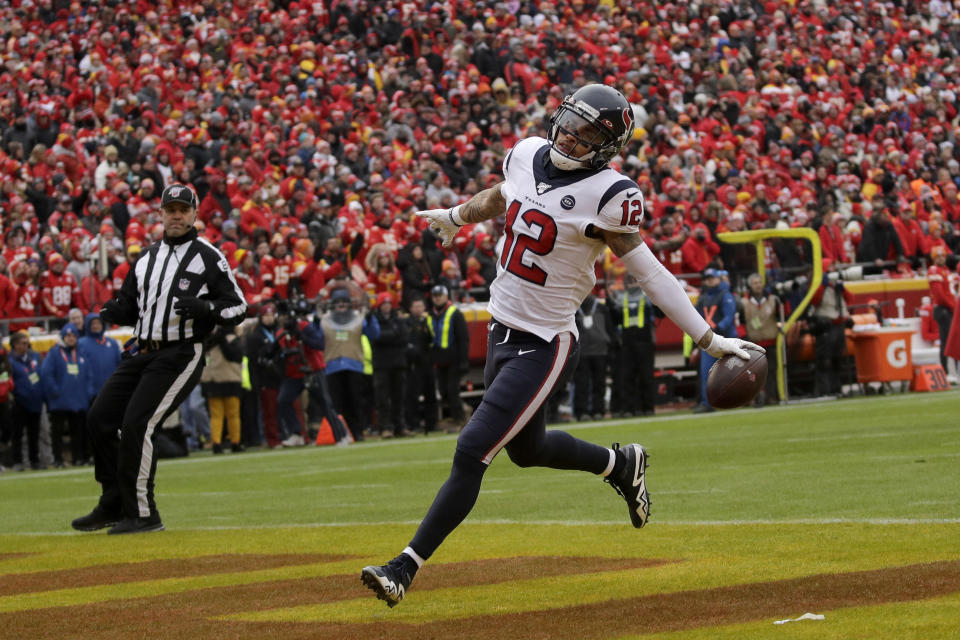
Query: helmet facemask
[{"x": 581, "y": 122}]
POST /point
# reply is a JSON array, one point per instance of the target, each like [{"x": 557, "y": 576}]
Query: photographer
[
  {"x": 761, "y": 317},
  {"x": 827, "y": 319},
  {"x": 301, "y": 342},
  {"x": 343, "y": 327}
]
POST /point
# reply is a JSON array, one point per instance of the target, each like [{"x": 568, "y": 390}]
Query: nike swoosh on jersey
[
  {"x": 522, "y": 352},
  {"x": 630, "y": 195}
]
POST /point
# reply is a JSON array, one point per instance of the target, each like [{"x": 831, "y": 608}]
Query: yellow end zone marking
[
  {"x": 162, "y": 586},
  {"x": 504, "y": 597}
]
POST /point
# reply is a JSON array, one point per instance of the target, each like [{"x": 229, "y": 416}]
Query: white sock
[
  {"x": 613, "y": 461},
  {"x": 416, "y": 557}
]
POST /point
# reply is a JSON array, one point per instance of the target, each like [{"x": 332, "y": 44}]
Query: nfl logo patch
[{"x": 184, "y": 284}]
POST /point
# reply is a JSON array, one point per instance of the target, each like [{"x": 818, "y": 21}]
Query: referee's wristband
[{"x": 454, "y": 215}]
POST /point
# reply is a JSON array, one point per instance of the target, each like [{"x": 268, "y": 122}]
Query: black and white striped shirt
[{"x": 188, "y": 266}]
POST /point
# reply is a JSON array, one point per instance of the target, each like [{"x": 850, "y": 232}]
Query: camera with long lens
[{"x": 788, "y": 287}]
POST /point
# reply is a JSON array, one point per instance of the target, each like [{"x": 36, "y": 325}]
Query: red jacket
[
  {"x": 697, "y": 255},
  {"x": 59, "y": 292},
  {"x": 831, "y": 240},
  {"x": 311, "y": 357},
  {"x": 315, "y": 277},
  {"x": 939, "y": 279},
  {"x": 102, "y": 292},
  {"x": 8, "y": 297}
]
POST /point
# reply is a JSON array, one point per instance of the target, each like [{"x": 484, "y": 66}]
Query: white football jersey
[{"x": 546, "y": 262}]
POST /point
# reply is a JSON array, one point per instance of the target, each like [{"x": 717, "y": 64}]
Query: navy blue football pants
[{"x": 521, "y": 373}]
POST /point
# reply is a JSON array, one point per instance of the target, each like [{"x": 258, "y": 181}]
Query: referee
[{"x": 174, "y": 296}]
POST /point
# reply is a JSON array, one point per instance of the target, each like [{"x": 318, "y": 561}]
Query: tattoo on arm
[
  {"x": 485, "y": 205},
  {"x": 621, "y": 243}
]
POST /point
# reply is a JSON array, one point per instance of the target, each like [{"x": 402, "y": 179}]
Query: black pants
[
  {"x": 448, "y": 383},
  {"x": 287, "y": 417},
  {"x": 388, "y": 386},
  {"x": 521, "y": 373},
  {"x": 828, "y": 353},
  {"x": 321, "y": 404},
  {"x": 590, "y": 386},
  {"x": 346, "y": 390},
  {"x": 638, "y": 392},
  {"x": 25, "y": 422},
  {"x": 421, "y": 383},
  {"x": 142, "y": 392},
  {"x": 73, "y": 423},
  {"x": 944, "y": 318},
  {"x": 250, "y": 418}
]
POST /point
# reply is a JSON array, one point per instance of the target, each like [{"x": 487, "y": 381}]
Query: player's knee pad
[{"x": 468, "y": 464}]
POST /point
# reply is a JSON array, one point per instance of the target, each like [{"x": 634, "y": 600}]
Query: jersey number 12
[{"x": 515, "y": 245}]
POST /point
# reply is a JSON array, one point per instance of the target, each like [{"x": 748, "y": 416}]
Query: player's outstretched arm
[
  {"x": 665, "y": 291},
  {"x": 485, "y": 205}
]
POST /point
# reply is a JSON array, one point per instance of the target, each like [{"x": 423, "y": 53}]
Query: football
[{"x": 733, "y": 382}]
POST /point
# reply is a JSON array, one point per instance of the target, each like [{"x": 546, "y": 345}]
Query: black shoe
[
  {"x": 137, "y": 525},
  {"x": 631, "y": 482},
  {"x": 97, "y": 519},
  {"x": 58, "y": 464},
  {"x": 237, "y": 448},
  {"x": 391, "y": 581},
  {"x": 217, "y": 449}
]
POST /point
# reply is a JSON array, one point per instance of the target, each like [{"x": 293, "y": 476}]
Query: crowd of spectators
[{"x": 312, "y": 131}]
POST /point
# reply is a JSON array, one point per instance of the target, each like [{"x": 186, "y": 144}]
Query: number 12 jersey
[{"x": 545, "y": 269}]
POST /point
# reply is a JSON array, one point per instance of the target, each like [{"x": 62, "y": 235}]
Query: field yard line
[
  {"x": 548, "y": 523},
  {"x": 871, "y": 434}
]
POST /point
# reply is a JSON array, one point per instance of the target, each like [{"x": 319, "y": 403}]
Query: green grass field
[{"x": 850, "y": 509}]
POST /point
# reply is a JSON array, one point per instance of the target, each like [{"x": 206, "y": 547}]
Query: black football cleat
[
  {"x": 137, "y": 525},
  {"x": 390, "y": 582},
  {"x": 97, "y": 519},
  {"x": 631, "y": 482}
]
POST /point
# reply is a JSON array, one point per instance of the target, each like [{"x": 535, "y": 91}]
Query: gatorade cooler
[{"x": 883, "y": 355}]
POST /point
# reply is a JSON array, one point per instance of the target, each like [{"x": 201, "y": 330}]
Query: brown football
[{"x": 733, "y": 382}]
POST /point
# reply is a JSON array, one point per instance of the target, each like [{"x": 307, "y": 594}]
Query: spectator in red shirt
[
  {"x": 697, "y": 251},
  {"x": 666, "y": 244},
  {"x": 831, "y": 238},
  {"x": 59, "y": 288}
]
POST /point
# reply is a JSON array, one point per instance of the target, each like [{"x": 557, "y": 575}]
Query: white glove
[
  {"x": 721, "y": 346},
  {"x": 442, "y": 222}
]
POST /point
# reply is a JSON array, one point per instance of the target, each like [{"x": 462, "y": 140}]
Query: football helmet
[{"x": 599, "y": 118}]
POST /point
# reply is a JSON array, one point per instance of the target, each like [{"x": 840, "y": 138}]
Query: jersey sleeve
[{"x": 621, "y": 207}]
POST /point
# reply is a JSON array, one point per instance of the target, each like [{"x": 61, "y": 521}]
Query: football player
[{"x": 563, "y": 206}]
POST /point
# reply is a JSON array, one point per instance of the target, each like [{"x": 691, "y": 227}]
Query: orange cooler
[{"x": 883, "y": 355}]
